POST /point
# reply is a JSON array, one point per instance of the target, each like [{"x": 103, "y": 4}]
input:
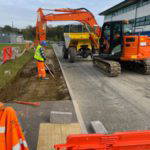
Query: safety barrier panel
[
  {"x": 7, "y": 53},
  {"x": 117, "y": 141}
]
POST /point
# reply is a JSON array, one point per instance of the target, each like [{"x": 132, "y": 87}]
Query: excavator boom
[{"x": 81, "y": 15}]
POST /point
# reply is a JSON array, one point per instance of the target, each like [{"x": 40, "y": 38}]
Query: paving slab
[
  {"x": 51, "y": 134},
  {"x": 60, "y": 117},
  {"x": 120, "y": 104}
]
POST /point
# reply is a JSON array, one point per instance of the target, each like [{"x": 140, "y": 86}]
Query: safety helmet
[{"x": 44, "y": 43}]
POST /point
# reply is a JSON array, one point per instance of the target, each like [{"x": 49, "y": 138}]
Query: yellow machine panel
[{"x": 77, "y": 40}]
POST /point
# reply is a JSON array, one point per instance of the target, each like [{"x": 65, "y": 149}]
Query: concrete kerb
[
  {"x": 60, "y": 117},
  {"x": 77, "y": 110},
  {"x": 98, "y": 127}
]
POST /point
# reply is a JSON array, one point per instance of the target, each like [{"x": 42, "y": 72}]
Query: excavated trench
[{"x": 27, "y": 87}]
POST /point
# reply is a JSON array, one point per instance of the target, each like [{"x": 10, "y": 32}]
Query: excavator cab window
[
  {"x": 105, "y": 39},
  {"x": 127, "y": 29},
  {"x": 116, "y": 43},
  {"x": 111, "y": 40}
]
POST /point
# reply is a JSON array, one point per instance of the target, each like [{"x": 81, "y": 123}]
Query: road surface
[{"x": 121, "y": 103}]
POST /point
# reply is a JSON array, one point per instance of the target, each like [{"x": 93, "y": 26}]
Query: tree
[
  {"x": 53, "y": 33},
  {"x": 7, "y": 28}
]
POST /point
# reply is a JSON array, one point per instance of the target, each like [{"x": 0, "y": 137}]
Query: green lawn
[
  {"x": 22, "y": 46},
  {"x": 13, "y": 66}
]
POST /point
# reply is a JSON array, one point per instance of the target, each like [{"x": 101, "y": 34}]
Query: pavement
[
  {"x": 120, "y": 103},
  {"x": 31, "y": 117}
]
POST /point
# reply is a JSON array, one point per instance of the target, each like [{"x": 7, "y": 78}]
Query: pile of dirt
[{"x": 27, "y": 87}]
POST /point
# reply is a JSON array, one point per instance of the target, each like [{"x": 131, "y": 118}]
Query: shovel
[{"x": 52, "y": 74}]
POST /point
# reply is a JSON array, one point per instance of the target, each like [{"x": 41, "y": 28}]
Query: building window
[
  {"x": 108, "y": 17},
  {"x": 141, "y": 19},
  {"x": 145, "y": 2},
  {"x": 147, "y": 21}
]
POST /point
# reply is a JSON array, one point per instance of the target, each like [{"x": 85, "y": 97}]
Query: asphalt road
[{"x": 121, "y": 103}]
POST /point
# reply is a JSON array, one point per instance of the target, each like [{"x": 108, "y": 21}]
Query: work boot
[
  {"x": 46, "y": 78},
  {"x": 40, "y": 78}
]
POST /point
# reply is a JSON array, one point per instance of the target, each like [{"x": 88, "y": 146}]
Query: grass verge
[
  {"x": 9, "y": 70},
  {"x": 22, "y": 46}
]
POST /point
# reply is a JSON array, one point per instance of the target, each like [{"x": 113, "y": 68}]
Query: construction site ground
[
  {"x": 53, "y": 95},
  {"x": 121, "y": 103},
  {"x": 27, "y": 87}
]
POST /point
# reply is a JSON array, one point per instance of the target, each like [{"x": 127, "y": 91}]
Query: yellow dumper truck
[{"x": 77, "y": 44}]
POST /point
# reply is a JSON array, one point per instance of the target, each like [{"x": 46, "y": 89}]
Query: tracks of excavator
[{"x": 113, "y": 68}]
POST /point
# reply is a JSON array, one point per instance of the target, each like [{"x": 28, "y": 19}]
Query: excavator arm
[
  {"x": 81, "y": 15},
  {"x": 41, "y": 26}
]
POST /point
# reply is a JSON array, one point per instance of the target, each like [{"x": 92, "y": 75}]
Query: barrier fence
[
  {"x": 135, "y": 140},
  {"x": 7, "y": 53}
]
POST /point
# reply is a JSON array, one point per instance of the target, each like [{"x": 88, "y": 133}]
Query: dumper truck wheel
[
  {"x": 72, "y": 54},
  {"x": 65, "y": 53}
]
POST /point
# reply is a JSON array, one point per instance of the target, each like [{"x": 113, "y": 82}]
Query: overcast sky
[{"x": 23, "y": 12}]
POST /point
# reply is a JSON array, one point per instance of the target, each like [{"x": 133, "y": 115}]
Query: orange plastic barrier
[
  {"x": 7, "y": 53},
  {"x": 11, "y": 135},
  {"x": 117, "y": 141}
]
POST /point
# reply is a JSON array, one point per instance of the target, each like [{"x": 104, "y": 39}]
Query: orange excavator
[
  {"x": 117, "y": 43},
  {"x": 81, "y": 15}
]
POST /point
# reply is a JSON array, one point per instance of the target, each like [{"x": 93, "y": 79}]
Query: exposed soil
[
  {"x": 27, "y": 87},
  {"x": 53, "y": 94}
]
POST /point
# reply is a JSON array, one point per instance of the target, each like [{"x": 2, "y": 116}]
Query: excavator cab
[
  {"x": 111, "y": 41},
  {"x": 119, "y": 45}
]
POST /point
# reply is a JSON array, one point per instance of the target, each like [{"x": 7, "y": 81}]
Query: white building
[
  {"x": 11, "y": 38},
  {"x": 20, "y": 39},
  {"x": 136, "y": 11}
]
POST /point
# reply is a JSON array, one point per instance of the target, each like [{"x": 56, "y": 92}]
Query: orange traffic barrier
[
  {"x": 117, "y": 141},
  {"x": 28, "y": 103},
  {"x": 7, "y": 53},
  {"x": 11, "y": 135}
]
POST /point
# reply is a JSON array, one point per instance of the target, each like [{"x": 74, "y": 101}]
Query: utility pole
[{"x": 12, "y": 26}]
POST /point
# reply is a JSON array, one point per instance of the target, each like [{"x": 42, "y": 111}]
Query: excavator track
[
  {"x": 109, "y": 67},
  {"x": 146, "y": 67}
]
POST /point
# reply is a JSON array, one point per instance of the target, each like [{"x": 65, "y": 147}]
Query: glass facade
[
  {"x": 127, "y": 9},
  {"x": 142, "y": 21}
]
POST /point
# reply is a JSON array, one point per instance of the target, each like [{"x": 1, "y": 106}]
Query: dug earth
[{"x": 27, "y": 87}]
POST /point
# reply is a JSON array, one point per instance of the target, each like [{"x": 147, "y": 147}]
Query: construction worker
[
  {"x": 40, "y": 57},
  {"x": 11, "y": 135}
]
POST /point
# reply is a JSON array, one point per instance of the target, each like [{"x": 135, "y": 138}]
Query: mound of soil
[{"x": 27, "y": 87}]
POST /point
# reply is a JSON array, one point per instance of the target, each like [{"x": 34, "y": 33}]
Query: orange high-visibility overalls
[
  {"x": 11, "y": 135},
  {"x": 41, "y": 69}
]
